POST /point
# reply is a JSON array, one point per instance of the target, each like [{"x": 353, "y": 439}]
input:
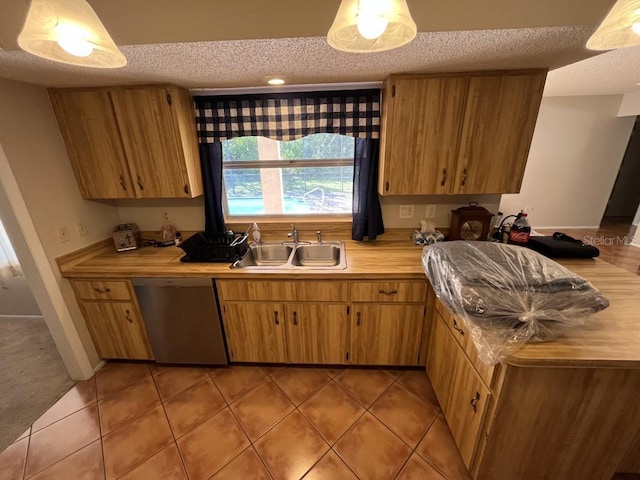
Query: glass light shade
[
  {"x": 69, "y": 31},
  {"x": 388, "y": 22},
  {"x": 619, "y": 29}
]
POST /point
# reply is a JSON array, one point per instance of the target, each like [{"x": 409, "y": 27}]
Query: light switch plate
[{"x": 431, "y": 211}]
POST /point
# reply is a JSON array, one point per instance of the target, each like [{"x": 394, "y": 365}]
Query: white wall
[
  {"x": 36, "y": 154},
  {"x": 630, "y": 105},
  {"x": 575, "y": 155}
]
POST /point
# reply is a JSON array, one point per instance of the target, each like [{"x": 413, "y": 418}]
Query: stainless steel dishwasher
[{"x": 182, "y": 320}]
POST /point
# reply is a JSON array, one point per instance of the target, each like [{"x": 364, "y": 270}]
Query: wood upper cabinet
[
  {"x": 465, "y": 133},
  {"x": 421, "y": 125},
  {"x": 499, "y": 120},
  {"x": 90, "y": 131},
  {"x": 255, "y": 332},
  {"x": 137, "y": 141},
  {"x": 384, "y": 334},
  {"x": 316, "y": 333}
]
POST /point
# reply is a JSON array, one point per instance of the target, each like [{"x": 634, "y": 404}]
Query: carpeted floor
[{"x": 32, "y": 375}]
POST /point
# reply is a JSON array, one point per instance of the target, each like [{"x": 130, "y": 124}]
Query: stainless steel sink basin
[
  {"x": 280, "y": 256},
  {"x": 267, "y": 255},
  {"x": 320, "y": 255}
]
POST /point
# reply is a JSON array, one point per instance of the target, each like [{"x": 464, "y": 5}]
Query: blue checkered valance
[{"x": 288, "y": 116}]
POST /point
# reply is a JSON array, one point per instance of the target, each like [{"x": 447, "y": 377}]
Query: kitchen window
[{"x": 312, "y": 175}]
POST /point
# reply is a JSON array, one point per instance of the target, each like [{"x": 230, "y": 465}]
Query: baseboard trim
[
  {"x": 561, "y": 227},
  {"x": 99, "y": 366},
  {"x": 22, "y": 317}
]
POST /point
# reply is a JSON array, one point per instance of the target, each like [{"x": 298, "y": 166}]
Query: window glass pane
[{"x": 312, "y": 147}]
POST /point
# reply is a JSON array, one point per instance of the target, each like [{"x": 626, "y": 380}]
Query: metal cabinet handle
[
  {"x": 390, "y": 292},
  {"x": 358, "y": 315},
  {"x": 186, "y": 189},
  {"x": 457, "y": 328},
  {"x": 140, "y": 184},
  {"x": 474, "y": 401},
  {"x": 102, "y": 290},
  {"x": 275, "y": 318},
  {"x": 444, "y": 177},
  {"x": 127, "y": 315},
  {"x": 464, "y": 177},
  {"x": 124, "y": 185},
  {"x": 295, "y": 318}
]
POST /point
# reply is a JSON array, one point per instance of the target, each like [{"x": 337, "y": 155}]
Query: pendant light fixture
[
  {"x": 364, "y": 26},
  {"x": 619, "y": 29},
  {"x": 69, "y": 31}
]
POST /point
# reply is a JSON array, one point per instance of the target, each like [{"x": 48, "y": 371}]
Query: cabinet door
[
  {"x": 255, "y": 332},
  {"x": 151, "y": 141},
  {"x": 90, "y": 132},
  {"x": 117, "y": 330},
  {"x": 421, "y": 130},
  {"x": 460, "y": 392},
  {"x": 500, "y": 117},
  {"x": 386, "y": 334},
  {"x": 317, "y": 333}
]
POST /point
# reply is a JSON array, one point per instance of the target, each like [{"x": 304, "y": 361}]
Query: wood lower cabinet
[
  {"x": 255, "y": 332},
  {"x": 113, "y": 319},
  {"x": 317, "y": 333},
  {"x": 384, "y": 334},
  {"x": 130, "y": 142}
]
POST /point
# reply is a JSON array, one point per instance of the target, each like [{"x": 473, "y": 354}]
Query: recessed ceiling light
[{"x": 275, "y": 81}]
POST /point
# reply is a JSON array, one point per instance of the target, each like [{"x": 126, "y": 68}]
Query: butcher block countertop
[{"x": 611, "y": 338}]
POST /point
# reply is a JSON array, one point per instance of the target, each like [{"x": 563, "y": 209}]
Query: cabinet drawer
[
  {"x": 462, "y": 336},
  {"x": 323, "y": 291},
  {"x": 103, "y": 289},
  {"x": 463, "y": 396},
  {"x": 404, "y": 292}
]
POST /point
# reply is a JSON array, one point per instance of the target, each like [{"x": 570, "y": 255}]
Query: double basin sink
[{"x": 326, "y": 255}]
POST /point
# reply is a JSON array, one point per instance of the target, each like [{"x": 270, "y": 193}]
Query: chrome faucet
[
  {"x": 319, "y": 233},
  {"x": 293, "y": 235}
]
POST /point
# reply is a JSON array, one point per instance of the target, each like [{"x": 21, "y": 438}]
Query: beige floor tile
[
  {"x": 81, "y": 395},
  {"x": 236, "y": 381},
  {"x": 371, "y": 450},
  {"x": 331, "y": 411},
  {"x": 85, "y": 464},
  {"x": 247, "y": 465},
  {"x": 417, "y": 469},
  {"x": 291, "y": 448},
  {"x": 365, "y": 385},
  {"x": 330, "y": 467},
  {"x": 271, "y": 370},
  {"x": 118, "y": 376},
  {"x": 417, "y": 382},
  {"x": 439, "y": 449},
  {"x": 394, "y": 373},
  {"x": 173, "y": 380},
  {"x": 61, "y": 439},
  {"x": 164, "y": 465},
  {"x": 135, "y": 442},
  {"x": 333, "y": 372},
  {"x": 193, "y": 406},
  {"x": 300, "y": 383},
  {"x": 404, "y": 413},
  {"x": 12, "y": 460},
  {"x": 261, "y": 409},
  {"x": 211, "y": 445},
  {"x": 25, "y": 434},
  {"x": 125, "y": 405}
]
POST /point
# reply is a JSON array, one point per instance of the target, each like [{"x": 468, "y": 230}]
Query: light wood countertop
[{"x": 610, "y": 338}]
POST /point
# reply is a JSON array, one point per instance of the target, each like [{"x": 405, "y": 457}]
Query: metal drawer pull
[
  {"x": 127, "y": 315},
  {"x": 444, "y": 177},
  {"x": 102, "y": 290},
  {"x": 140, "y": 184},
  {"x": 295, "y": 318},
  {"x": 275, "y": 318},
  {"x": 464, "y": 177},
  {"x": 358, "y": 319},
  {"x": 457, "y": 328},
  {"x": 124, "y": 185},
  {"x": 474, "y": 401},
  {"x": 390, "y": 292}
]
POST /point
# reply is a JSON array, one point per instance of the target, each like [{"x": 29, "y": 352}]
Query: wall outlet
[
  {"x": 63, "y": 234},
  {"x": 81, "y": 229},
  {"x": 431, "y": 211},
  {"x": 165, "y": 216},
  {"x": 528, "y": 208},
  {"x": 406, "y": 211}
]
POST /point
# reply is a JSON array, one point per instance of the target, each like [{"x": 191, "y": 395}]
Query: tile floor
[{"x": 139, "y": 421}]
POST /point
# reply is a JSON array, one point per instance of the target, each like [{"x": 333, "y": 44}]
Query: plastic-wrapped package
[{"x": 508, "y": 295}]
